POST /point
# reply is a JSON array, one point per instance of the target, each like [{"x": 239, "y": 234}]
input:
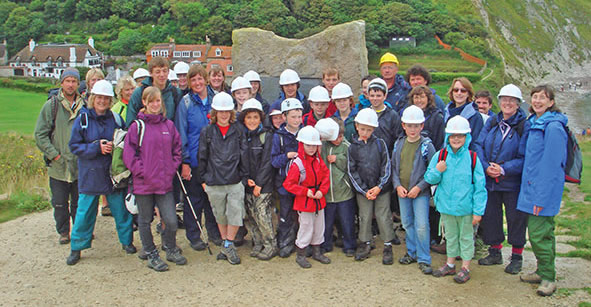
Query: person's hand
[
  {"x": 256, "y": 191},
  {"x": 492, "y": 172},
  {"x": 441, "y": 166},
  {"x": 476, "y": 219},
  {"x": 537, "y": 210},
  {"x": 310, "y": 194},
  {"x": 375, "y": 191},
  {"x": 106, "y": 147},
  {"x": 369, "y": 196},
  {"x": 414, "y": 192},
  {"x": 57, "y": 158},
  {"x": 186, "y": 172},
  {"x": 331, "y": 158},
  {"x": 250, "y": 183},
  {"x": 292, "y": 154},
  {"x": 318, "y": 195},
  {"x": 401, "y": 191}
]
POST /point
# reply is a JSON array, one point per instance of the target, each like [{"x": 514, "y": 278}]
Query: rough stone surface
[{"x": 341, "y": 46}]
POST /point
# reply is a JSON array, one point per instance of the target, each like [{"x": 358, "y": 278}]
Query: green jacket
[
  {"x": 55, "y": 143},
  {"x": 120, "y": 108},
  {"x": 340, "y": 186}
]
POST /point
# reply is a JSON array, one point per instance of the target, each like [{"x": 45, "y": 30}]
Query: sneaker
[
  {"x": 444, "y": 270},
  {"x": 231, "y": 254},
  {"x": 494, "y": 257},
  {"x": 439, "y": 248},
  {"x": 198, "y": 245},
  {"x": 349, "y": 252},
  {"x": 425, "y": 268},
  {"x": 515, "y": 265},
  {"x": 407, "y": 259},
  {"x": 256, "y": 250},
  {"x": 221, "y": 256},
  {"x": 462, "y": 276},
  {"x": 532, "y": 278},
  {"x": 179, "y": 207},
  {"x": 165, "y": 248},
  {"x": 546, "y": 288},
  {"x": 387, "y": 257},
  {"x": 73, "y": 258},
  {"x": 142, "y": 254},
  {"x": 130, "y": 249},
  {"x": 155, "y": 262},
  {"x": 174, "y": 255},
  {"x": 64, "y": 238},
  {"x": 363, "y": 251}
]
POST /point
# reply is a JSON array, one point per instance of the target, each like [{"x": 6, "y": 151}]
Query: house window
[
  {"x": 154, "y": 53},
  {"x": 164, "y": 53},
  {"x": 196, "y": 54},
  {"x": 177, "y": 54},
  {"x": 229, "y": 68},
  {"x": 218, "y": 52},
  {"x": 186, "y": 54}
]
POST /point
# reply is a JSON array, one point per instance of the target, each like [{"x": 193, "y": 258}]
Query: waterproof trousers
[{"x": 543, "y": 244}]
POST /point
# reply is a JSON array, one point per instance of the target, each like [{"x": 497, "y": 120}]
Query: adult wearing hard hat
[
  {"x": 257, "y": 88},
  {"x": 501, "y": 148},
  {"x": 91, "y": 141},
  {"x": 397, "y": 87},
  {"x": 460, "y": 95},
  {"x": 289, "y": 82},
  {"x": 139, "y": 75},
  {"x": 182, "y": 69}
]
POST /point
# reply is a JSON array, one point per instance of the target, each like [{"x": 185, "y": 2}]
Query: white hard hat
[
  {"x": 457, "y": 124},
  {"x": 341, "y": 90},
  {"x": 252, "y": 75},
  {"x": 275, "y": 112},
  {"x": 103, "y": 87},
  {"x": 378, "y": 83},
  {"x": 368, "y": 117},
  {"x": 140, "y": 73},
  {"x": 172, "y": 75},
  {"x": 319, "y": 94},
  {"x": 512, "y": 91},
  {"x": 328, "y": 129},
  {"x": 290, "y": 104},
  {"x": 309, "y": 136},
  {"x": 240, "y": 83},
  {"x": 413, "y": 115},
  {"x": 222, "y": 101},
  {"x": 288, "y": 76},
  {"x": 252, "y": 104},
  {"x": 181, "y": 68}
]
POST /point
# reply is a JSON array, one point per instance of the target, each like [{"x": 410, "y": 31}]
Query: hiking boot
[
  {"x": 198, "y": 245},
  {"x": 462, "y": 276},
  {"x": 267, "y": 253},
  {"x": 256, "y": 250},
  {"x": 532, "y": 278},
  {"x": 396, "y": 240},
  {"x": 155, "y": 262},
  {"x": 285, "y": 251},
  {"x": 221, "y": 256},
  {"x": 494, "y": 257},
  {"x": 546, "y": 288},
  {"x": 231, "y": 254},
  {"x": 387, "y": 256},
  {"x": 301, "y": 258},
  {"x": 179, "y": 207},
  {"x": 363, "y": 251},
  {"x": 349, "y": 253},
  {"x": 165, "y": 248},
  {"x": 130, "y": 249},
  {"x": 444, "y": 270},
  {"x": 73, "y": 258},
  {"x": 439, "y": 248},
  {"x": 318, "y": 256},
  {"x": 174, "y": 255},
  {"x": 142, "y": 254},
  {"x": 514, "y": 266},
  {"x": 64, "y": 238},
  {"x": 407, "y": 259},
  {"x": 425, "y": 268}
]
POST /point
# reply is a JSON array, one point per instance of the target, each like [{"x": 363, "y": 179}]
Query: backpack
[
  {"x": 443, "y": 156},
  {"x": 54, "y": 107},
  {"x": 297, "y": 161},
  {"x": 574, "y": 158},
  {"x": 120, "y": 175}
]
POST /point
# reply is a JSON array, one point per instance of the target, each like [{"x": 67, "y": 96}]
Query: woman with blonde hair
[{"x": 123, "y": 91}]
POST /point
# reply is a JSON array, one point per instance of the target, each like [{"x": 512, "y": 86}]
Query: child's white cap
[
  {"x": 413, "y": 115},
  {"x": 328, "y": 129},
  {"x": 457, "y": 125}
]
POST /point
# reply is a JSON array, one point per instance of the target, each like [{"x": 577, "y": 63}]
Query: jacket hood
[
  {"x": 353, "y": 113},
  {"x": 305, "y": 157},
  {"x": 464, "y": 147},
  {"x": 468, "y": 110},
  {"x": 151, "y": 118},
  {"x": 546, "y": 118}
]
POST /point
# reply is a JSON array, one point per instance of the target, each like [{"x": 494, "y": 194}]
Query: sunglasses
[{"x": 461, "y": 90}]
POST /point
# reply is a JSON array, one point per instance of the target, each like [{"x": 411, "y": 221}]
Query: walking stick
[{"x": 206, "y": 239}]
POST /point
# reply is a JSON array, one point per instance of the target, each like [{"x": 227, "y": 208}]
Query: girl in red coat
[{"x": 308, "y": 179}]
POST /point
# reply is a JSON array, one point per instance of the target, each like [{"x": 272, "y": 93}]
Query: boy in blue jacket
[{"x": 460, "y": 196}]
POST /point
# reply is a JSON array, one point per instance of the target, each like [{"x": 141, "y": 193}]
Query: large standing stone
[{"x": 341, "y": 46}]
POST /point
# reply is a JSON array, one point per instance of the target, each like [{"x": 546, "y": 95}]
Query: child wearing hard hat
[
  {"x": 410, "y": 157},
  {"x": 240, "y": 92},
  {"x": 289, "y": 83},
  {"x": 389, "y": 128},
  {"x": 285, "y": 149},
  {"x": 460, "y": 196},
  {"x": 340, "y": 200},
  {"x": 222, "y": 168},
  {"x": 397, "y": 88},
  {"x": 308, "y": 179},
  {"x": 255, "y": 82},
  {"x": 369, "y": 170},
  {"x": 319, "y": 100},
  {"x": 259, "y": 185},
  {"x": 342, "y": 96}
]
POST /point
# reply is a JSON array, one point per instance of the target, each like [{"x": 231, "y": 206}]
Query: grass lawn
[
  {"x": 19, "y": 110},
  {"x": 440, "y": 63}
]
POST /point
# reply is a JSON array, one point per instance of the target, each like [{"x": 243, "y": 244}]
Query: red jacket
[
  {"x": 317, "y": 179},
  {"x": 308, "y": 119}
]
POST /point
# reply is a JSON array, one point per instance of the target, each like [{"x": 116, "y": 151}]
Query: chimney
[
  {"x": 91, "y": 42},
  {"x": 72, "y": 55},
  {"x": 31, "y": 45}
]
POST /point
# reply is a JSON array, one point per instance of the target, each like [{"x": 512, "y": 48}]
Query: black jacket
[
  {"x": 369, "y": 165},
  {"x": 258, "y": 159},
  {"x": 222, "y": 160},
  {"x": 434, "y": 127},
  {"x": 389, "y": 127}
]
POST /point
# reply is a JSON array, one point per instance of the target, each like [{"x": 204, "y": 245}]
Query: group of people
[{"x": 336, "y": 167}]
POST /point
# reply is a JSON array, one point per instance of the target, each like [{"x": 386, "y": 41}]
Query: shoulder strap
[
  {"x": 442, "y": 154},
  {"x": 141, "y": 128},
  {"x": 187, "y": 101},
  {"x": 297, "y": 161},
  {"x": 118, "y": 119},
  {"x": 54, "y": 107},
  {"x": 262, "y": 137},
  {"x": 473, "y": 163},
  {"x": 84, "y": 120},
  {"x": 281, "y": 143},
  {"x": 175, "y": 96}
]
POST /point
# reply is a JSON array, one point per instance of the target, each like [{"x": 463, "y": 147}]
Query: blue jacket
[
  {"x": 542, "y": 182},
  {"x": 276, "y": 105},
  {"x": 389, "y": 127},
  {"x": 508, "y": 153},
  {"x": 93, "y": 167},
  {"x": 189, "y": 122},
  {"x": 468, "y": 111},
  {"x": 455, "y": 194},
  {"x": 369, "y": 165},
  {"x": 349, "y": 123},
  {"x": 438, "y": 101},
  {"x": 135, "y": 102},
  {"x": 283, "y": 142},
  {"x": 397, "y": 93}
]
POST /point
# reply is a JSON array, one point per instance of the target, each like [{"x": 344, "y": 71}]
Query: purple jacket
[{"x": 154, "y": 164}]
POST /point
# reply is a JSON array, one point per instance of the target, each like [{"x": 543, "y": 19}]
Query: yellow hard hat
[{"x": 389, "y": 58}]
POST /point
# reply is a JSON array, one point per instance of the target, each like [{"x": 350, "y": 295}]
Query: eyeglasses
[{"x": 461, "y": 90}]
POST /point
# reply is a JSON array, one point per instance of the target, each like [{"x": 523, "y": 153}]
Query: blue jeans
[
  {"x": 415, "y": 220},
  {"x": 345, "y": 211}
]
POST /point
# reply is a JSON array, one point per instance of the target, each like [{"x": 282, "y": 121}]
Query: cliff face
[{"x": 539, "y": 40}]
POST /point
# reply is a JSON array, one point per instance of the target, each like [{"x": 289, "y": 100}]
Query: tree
[
  {"x": 51, "y": 11},
  {"x": 23, "y": 26},
  {"x": 129, "y": 42},
  {"x": 219, "y": 30},
  {"x": 190, "y": 13},
  {"x": 93, "y": 9},
  {"x": 5, "y": 8}
]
